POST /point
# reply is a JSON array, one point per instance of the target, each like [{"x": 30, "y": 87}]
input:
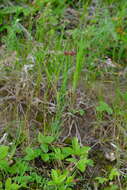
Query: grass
[{"x": 63, "y": 95}]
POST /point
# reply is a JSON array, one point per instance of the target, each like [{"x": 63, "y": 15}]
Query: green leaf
[
  {"x": 8, "y": 184},
  {"x": 1, "y": 185},
  {"x": 45, "y": 157},
  {"x": 35, "y": 177},
  {"x": 77, "y": 150},
  {"x": 61, "y": 179},
  {"x": 23, "y": 180},
  {"x": 124, "y": 96},
  {"x": 114, "y": 173},
  {"x": 67, "y": 151},
  {"x": 80, "y": 111},
  {"x": 84, "y": 150},
  {"x": 103, "y": 107},
  {"x": 62, "y": 187},
  {"x": 82, "y": 163},
  {"x": 70, "y": 180},
  {"x": 45, "y": 139},
  {"x": 58, "y": 154},
  {"x": 75, "y": 146},
  {"x": 4, "y": 165},
  {"x": 44, "y": 147},
  {"x": 20, "y": 167},
  {"x": 3, "y": 152},
  {"x": 54, "y": 175},
  {"x": 32, "y": 154},
  {"x": 73, "y": 160},
  {"x": 57, "y": 177},
  {"x": 15, "y": 186},
  {"x": 112, "y": 187},
  {"x": 12, "y": 10},
  {"x": 51, "y": 183},
  {"x": 27, "y": 11},
  {"x": 101, "y": 180}
]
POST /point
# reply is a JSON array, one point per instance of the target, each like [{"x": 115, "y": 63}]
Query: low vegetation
[{"x": 63, "y": 96}]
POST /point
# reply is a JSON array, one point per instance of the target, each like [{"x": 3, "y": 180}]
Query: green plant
[
  {"x": 81, "y": 112},
  {"x": 45, "y": 141},
  {"x": 33, "y": 177},
  {"x": 61, "y": 180},
  {"x": 107, "y": 180},
  {"x": 17, "y": 170},
  {"x": 82, "y": 152},
  {"x": 78, "y": 158},
  {"x": 9, "y": 185},
  {"x": 79, "y": 62},
  {"x": 31, "y": 153},
  {"x": 4, "y": 164},
  {"x": 104, "y": 107},
  {"x": 12, "y": 23}
]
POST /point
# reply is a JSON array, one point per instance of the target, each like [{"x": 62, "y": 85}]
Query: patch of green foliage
[{"x": 22, "y": 174}]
